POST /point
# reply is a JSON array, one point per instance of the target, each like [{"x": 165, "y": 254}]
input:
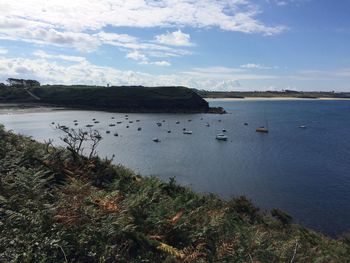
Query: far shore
[{"x": 272, "y": 98}]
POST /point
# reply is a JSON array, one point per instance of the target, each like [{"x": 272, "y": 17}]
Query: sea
[{"x": 302, "y": 165}]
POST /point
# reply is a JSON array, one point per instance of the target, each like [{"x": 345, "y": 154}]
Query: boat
[
  {"x": 221, "y": 137},
  {"x": 208, "y": 125},
  {"x": 302, "y": 126},
  {"x": 108, "y": 132},
  {"x": 163, "y": 120},
  {"x": 115, "y": 134},
  {"x": 169, "y": 131},
  {"x": 159, "y": 124},
  {"x": 137, "y": 120},
  {"x": 111, "y": 125},
  {"x": 76, "y": 124},
  {"x": 89, "y": 125},
  {"x": 187, "y": 132},
  {"x": 262, "y": 130},
  {"x": 130, "y": 121},
  {"x": 96, "y": 122},
  {"x": 75, "y": 121},
  {"x": 119, "y": 122},
  {"x": 112, "y": 118},
  {"x": 223, "y": 130},
  {"x": 52, "y": 123},
  {"x": 189, "y": 120},
  {"x": 127, "y": 126},
  {"x": 177, "y": 122},
  {"x": 246, "y": 123},
  {"x": 139, "y": 128},
  {"x": 156, "y": 140}
]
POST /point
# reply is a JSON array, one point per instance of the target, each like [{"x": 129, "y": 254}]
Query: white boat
[
  {"x": 208, "y": 125},
  {"x": 262, "y": 129},
  {"x": 156, "y": 140},
  {"x": 221, "y": 137},
  {"x": 187, "y": 132},
  {"x": 302, "y": 126}
]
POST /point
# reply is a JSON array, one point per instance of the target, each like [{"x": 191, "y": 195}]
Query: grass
[{"x": 57, "y": 208}]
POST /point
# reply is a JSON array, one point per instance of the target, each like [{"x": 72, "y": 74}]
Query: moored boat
[{"x": 221, "y": 137}]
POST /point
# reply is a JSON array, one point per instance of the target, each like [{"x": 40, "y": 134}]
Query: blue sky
[{"x": 207, "y": 44}]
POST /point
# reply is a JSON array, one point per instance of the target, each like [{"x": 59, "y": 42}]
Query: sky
[{"x": 224, "y": 45}]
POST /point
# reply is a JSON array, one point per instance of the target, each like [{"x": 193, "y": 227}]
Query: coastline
[
  {"x": 272, "y": 98},
  {"x": 36, "y": 107}
]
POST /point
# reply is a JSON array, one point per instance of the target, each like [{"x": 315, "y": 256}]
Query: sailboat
[{"x": 263, "y": 129}]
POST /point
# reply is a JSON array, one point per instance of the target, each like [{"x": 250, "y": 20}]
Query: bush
[{"x": 283, "y": 217}]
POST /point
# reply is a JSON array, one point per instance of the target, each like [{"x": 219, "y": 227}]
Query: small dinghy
[
  {"x": 262, "y": 130},
  {"x": 156, "y": 140},
  {"x": 221, "y": 137}
]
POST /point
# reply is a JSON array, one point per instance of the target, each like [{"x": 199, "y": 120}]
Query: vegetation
[
  {"x": 126, "y": 98},
  {"x": 59, "y": 206}
]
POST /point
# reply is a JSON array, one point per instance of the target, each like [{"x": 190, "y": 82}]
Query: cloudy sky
[{"x": 204, "y": 44}]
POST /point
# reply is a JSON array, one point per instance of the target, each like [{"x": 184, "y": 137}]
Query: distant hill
[
  {"x": 121, "y": 98},
  {"x": 271, "y": 94}
]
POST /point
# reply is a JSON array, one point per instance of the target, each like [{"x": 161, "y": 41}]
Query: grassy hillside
[
  {"x": 137, "y": 98},
  {"x": 57, "y": 206}
]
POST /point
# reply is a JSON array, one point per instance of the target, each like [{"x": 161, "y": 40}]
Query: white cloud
[
  {"x": 162, "y": 63},
  {"x": 47, "y": 70},
  {"x": 137, "y": 56},
  {"x": 3, "y": 51},
  {"x": 257, "y": 66},
  {"x": 286, "y": 2},
  {"x": 43, "y": 54},
  {"x": 176, "y": 38},
  {"x": 81, "y": 15}
]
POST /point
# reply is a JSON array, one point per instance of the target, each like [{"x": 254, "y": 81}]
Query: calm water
[{"x": 306, "y": 172}]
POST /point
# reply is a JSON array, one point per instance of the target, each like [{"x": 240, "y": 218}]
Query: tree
[{"x": 22, "y": 82}]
